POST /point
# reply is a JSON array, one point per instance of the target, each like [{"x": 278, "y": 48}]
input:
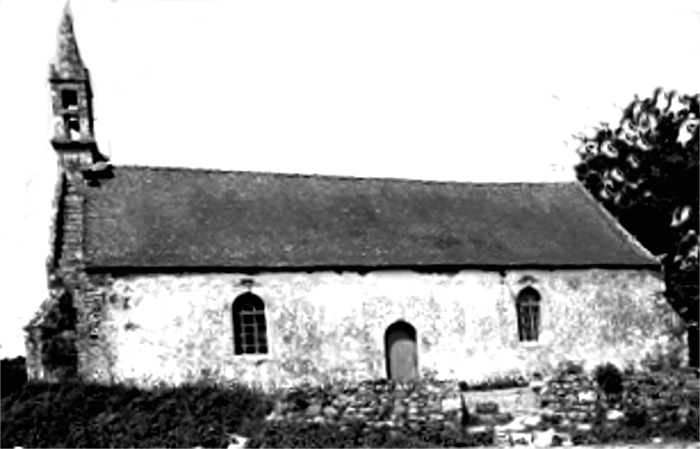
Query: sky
[{"x": 449, "y": 90}]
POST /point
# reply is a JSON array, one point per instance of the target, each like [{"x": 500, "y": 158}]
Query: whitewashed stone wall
[{"x": 327, "y": 325}]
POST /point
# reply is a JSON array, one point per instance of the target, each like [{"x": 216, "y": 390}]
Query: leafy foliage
[
  {"x": 74, "y": 414},
  {"x": 609, "y": 378},
  {"x": 13, "y": 374},
  {"x": 645, "y": 172}
]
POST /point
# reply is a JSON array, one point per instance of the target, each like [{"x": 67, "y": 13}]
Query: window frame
[
  {"x": 528, "y": 305},
  {"x": 249, "y": 305}
]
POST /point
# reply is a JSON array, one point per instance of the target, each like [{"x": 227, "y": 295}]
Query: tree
[{"x": 645, "y": 172}]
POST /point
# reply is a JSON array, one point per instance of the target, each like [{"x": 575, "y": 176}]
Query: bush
[
  {"x": 609, "y": 379},
  {"x": 74, "y": 414},
  {"x": 13, "y": 375}
]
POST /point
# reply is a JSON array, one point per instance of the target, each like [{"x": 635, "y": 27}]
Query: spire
[
  {"x": 73, "y": 135},
  {"x": 67, "y": 63}
]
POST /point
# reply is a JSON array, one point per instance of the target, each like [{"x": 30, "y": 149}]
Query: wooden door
[{"x": 401, "y": 351}]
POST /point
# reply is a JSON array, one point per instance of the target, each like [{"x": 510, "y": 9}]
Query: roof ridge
[{"x": 340, "y": 177}]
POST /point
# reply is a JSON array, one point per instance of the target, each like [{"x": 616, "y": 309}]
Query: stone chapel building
[{"x": 170, "y": 274}]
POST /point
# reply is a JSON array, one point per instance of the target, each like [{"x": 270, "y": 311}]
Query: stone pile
[
  {"x": 662, "y": 395},
  {"x": 379, "y": 403},
  {"x": 573, "y": 399},
  {"x": 530, "y": 431},
  {"x": 570, "y": 396},
  {"x": 413, "y": 407}
]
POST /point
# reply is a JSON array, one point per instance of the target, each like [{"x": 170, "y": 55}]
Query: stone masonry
[{"x": 330, "y": 326}]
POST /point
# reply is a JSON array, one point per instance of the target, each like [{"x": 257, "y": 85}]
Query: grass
[{"x": 75, "y": 414}]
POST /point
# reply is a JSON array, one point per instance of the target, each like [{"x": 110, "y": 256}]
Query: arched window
[
  {"x": 528, "y": 306},
  {"x": 249, "y": 327}
]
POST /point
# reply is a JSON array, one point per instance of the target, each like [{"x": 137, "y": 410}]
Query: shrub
[
  {"x": 75, "y": 414},
  {"x": 13, "y": 375},
  {"x": 609, "y": 379}
]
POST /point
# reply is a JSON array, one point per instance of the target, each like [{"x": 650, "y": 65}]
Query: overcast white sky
[{"x": 470, "y": 91}]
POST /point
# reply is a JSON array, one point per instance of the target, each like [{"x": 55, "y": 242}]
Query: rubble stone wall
[
  {"x": 330, "y": 326},
  {"x": 572, "y": 396},
  {"x": 659, "y": 396},
  {"x": 379, "y": 403}
]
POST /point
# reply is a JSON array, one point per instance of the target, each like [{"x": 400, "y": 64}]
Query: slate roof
[{"x": 147, "y": 217}]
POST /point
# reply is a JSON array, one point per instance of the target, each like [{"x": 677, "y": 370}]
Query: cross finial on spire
[{"x": 67, "y": 63}]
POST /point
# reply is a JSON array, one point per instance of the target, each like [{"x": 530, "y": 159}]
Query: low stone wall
[
  {"x": 414, "y": 408},
  {"x": 570, "y": 396},
  {"x": 568, "y": 407},
  {"x": 576, "y": 397},
  {"x": 662, "y": 395},
  {"x": 380, "y": 403}
]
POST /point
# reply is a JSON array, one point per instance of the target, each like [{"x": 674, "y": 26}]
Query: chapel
[{"x": 162, "y": 274}]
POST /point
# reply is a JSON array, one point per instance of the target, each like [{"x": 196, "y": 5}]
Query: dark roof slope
[{"x": 164, "y": 217}]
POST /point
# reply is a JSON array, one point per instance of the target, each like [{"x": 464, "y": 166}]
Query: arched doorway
[{"x": 401, "y": 352}]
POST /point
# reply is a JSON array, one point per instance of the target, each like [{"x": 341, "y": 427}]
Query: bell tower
[{"x": 73, "y": 136}]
